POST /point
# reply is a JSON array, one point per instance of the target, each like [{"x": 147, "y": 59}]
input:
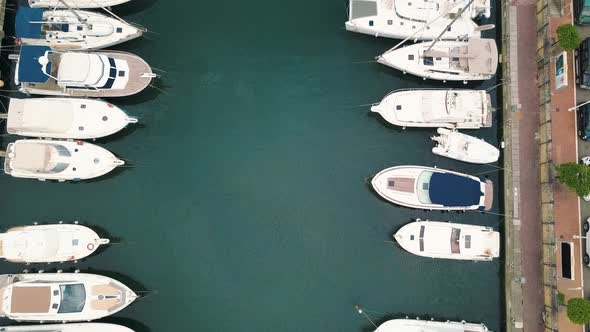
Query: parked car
[
  {"x": 583, "y": 115},
  {"x": 582, "y": 64},
  {"x": 582, "y": 12},
  {"x": 586, "y": 232}
]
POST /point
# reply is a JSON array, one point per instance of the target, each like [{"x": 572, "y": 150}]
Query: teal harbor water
[{"x": 246, "y": 207}]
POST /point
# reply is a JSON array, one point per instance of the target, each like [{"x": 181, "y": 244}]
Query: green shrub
[
  {"x": 578, "y": 311},
  {"x": 568, "y": 37},
  {"x": 560, "y": 299},
  {"x": 575, "y": 176}
]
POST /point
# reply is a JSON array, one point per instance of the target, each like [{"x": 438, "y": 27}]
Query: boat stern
[
  {"x": 488, "y": 195},
  {"x": 361, "y": 16}
]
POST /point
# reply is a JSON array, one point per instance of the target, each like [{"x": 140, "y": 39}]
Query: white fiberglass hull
[
  {"x": 74, "y": 3},
  {"x": 435, "y": 239},
  {"x": 74, "y": 327},
  {"x": 462, "y": 147},
  {"x": 462, "y": 109},
  {"x": 58, "y": 160},
  {"x": 415, "y": 325},
  {"x": 66, "y": 118},
  {"x": 49, "y": 243}
]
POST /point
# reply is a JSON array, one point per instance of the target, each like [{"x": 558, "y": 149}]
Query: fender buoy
[{"x": 90, "y": 246}]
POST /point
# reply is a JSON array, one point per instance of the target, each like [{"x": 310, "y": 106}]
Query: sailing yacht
[
  {"x": 40, "y": 70},
  {"x": 75, "y": 3},
  {"x": 422, "y": 20},
  {"x": 66, "y": 118},
  {"x": 58, "y": 160},
  {"x": 49, "y": 243},
  {"x": 475, "y": 59},
  {"x": 75, "y": 327},
  {"x": 417, "y": 325},
  {"x": 447, "y": 240},
  {"x": 68, "y": 29},
  {"x": 462, "y": 109},
  {"x": 455, "y": 145},
  {"x": 61, "y": 297},
  {"x": 431, "y": 188}
]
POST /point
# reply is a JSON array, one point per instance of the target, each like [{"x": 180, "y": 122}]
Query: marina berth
[
  {"x": 416, "y": 325},
  {"x": 49, "y": 243},
  {"x": 475, "y": 59},
  {"x": 431, "y": 188},
  {"x": 67, "y": 118},
  {"x": 455, "y": 145},
  {"x": 75, "y": 327},
  {"x": 58, "y": 160},
  {"x": 421, "y": 20},
  {"x": 65, "y": 29},
  {"x": 39, "y": 70},
  {"x": 61, "y": 297},
  {"x": 447, "y": 240},
  {"x": 74, "y": 3},
  {"x": 462, "y": 109}
]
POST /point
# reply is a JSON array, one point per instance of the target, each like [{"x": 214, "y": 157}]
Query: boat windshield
[
  {"x": 73, "y": 298},
  {"x": 423, "y": 187}
]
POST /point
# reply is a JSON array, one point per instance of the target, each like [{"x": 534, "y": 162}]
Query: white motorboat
[
  {"x": 58, "y": 160},
  {"x": 416, "y": 325},
  {"x": 455, "y": 145},
  {"x": 61, "y": 297},
  {"x": 446, "y": 240},
  {"x": 422, "y": 20},
  {"x": 65, "y": 118},
  {"x": 39, "y": 70},
  {"x": 74, "y": 3},
  {"x": 74, "y": 327},
  {"x": 475, "y": 59},
  {"x": 65, "y": 29},
  {"x": 463, "y": 109},
  {"x": 49, "y": 243},
  {"x": 431, "y": 188}
]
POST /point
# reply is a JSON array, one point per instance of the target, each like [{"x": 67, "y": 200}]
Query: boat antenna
[
  {"x": 83, "y": 21},
  {"x": 360, "y": 311},
  {"x": 449, "y": 25}
]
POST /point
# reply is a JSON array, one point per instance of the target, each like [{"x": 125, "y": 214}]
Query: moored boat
[
  {"x": 65, "y": 118},
  {"x": 416, "y": 325},
  {"x": 61, "y": 297},
  {"x": 462, "y": 109},
  {"x": 39, "y": 70},
  {"x": 431, "y": 188},
  {"x": 49, "y": 243},
  {"x": 58, "y": 160},
  {"x": 74, "y": 3},
  {"x": 455, "y": 145},
  {"x": 73, "y": 327},
  {"x": 449, "y": 240}
]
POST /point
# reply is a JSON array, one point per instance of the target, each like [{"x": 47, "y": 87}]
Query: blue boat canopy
[
  {"x": 453, "y": 190},
  {"x": 29, "y": 68},
  {"x": 25, "y": 28}
]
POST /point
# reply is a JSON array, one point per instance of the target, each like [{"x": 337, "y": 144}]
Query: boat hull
[
  {"x": 75, "y": 3},
  {"x": 415, "y": 325},
  {"x": 465, "y": 148},
  {"x": 75, "y": 327}
]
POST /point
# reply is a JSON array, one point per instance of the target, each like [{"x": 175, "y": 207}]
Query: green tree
[
  {"x": 568, "y": 37},
  {"x": 578, "y": 311},
  {"x": 575, "y": 176}
]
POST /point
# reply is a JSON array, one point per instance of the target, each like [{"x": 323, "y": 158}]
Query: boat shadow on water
[{"x": 133, "y": 324}]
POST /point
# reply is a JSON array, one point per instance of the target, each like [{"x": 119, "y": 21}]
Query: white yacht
[
  {"x": 431, "y": 188},
  {"x": 447, "y": 240},
  {"x": 475, "y": 59},
  {"x": 462, "y": 109},
  {"x": 58, "y": 160},
  {"x": 416, "y": 325},
  {"x": 61, "y": 297},
  {"x": 49, "y": 243},
  {"x": 66, "y": 118},
  {"x": 455, "y": 145},
  {"x": 39, "y": 70},
  {"x": 74, "y": 327},
  {"x": 65, "y": 29},
  {"x": 74, "y": 3},
  {"x": 422, "y": 20}
]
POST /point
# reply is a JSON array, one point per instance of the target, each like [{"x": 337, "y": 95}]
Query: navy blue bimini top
[{"x": 453, "y": 190}]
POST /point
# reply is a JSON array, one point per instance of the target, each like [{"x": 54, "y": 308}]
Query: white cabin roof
[{"x": 82, "y": 68}]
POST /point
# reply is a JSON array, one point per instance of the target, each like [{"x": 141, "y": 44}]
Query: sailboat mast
[
  {"x": 447, "y": 27},
  {"x": 83, "y": 21}
]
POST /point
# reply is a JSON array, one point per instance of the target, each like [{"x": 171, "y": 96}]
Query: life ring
[{"x": 90, "y": 246}]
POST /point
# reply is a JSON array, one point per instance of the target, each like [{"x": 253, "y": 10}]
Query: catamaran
[
  {"x": 66, "y": 29},
  {"x": 431, "y": 188},
  {"x": 463, "y": 109},
  {"x": 74, "y": 3},
  {"x": 421, "y": 20},
  {"x": 49, "y": 243},
  {"x": 416, "y": 325},
  {"x": 475, "y": 59},
  {"x": 75, "y": 327},
  {"x": 66, "y": 118},
  {"x": 58, "y": 160},
  {"x": 40, "y": 70},
  {"x": 61, "y": 297},
  {"x": 455, "y": 145},
  {"x": 447, "y": 240}
]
